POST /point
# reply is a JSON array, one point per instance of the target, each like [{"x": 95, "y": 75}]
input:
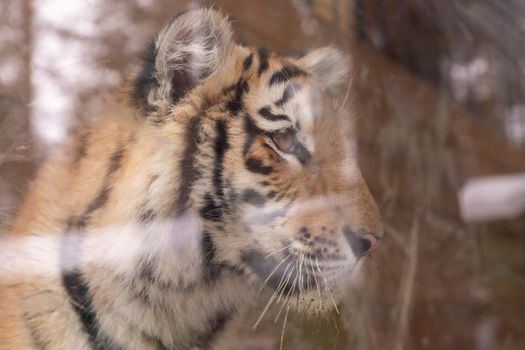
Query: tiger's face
[
  {"x": 308, "y": 217},
  {"x": 285, "y": 199}
]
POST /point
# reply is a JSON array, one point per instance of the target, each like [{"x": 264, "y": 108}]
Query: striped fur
[{"x": 153, "y": 232}]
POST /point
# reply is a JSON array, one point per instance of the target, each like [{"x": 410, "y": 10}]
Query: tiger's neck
[{"x": 155, "y": 259}]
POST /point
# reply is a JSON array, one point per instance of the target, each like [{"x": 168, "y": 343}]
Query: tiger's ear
[
  {"x": 185, "y": 53},
  {"x": 328, "y": 66}
]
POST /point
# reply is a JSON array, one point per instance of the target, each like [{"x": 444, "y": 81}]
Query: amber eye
[{"x": 284, "y": 140}]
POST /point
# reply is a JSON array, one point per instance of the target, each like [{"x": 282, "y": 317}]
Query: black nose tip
[{"x": 360, "y": 244}]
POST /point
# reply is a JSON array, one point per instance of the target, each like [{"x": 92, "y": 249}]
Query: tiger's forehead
[{"x": 305, "y": 105}]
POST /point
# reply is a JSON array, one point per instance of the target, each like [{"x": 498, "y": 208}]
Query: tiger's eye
[{"x": 284, "y": 140}]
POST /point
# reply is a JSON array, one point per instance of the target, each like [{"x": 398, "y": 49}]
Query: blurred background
[{"x": 439, "y": 98}]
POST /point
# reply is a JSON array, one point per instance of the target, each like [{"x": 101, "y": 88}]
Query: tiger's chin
[{"x": 297, "y": 286}]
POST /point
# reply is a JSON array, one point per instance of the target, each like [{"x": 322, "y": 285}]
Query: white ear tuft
[
  {"x": 186, "y": 52},
  {"x": 328, "y": 66}
]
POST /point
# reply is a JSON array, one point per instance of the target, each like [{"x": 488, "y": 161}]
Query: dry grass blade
[{"x": 408, "y": 286}]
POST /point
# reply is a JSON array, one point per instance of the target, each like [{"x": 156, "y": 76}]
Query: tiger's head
[{"x": 269, "y": 158}]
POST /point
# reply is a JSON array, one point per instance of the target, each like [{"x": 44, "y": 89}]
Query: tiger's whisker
[
  {"x": 284, "y": 326},
  {"x": 286, "y": 297},
  {"x": 275, "y": 269},
  {"x": 286, "y": 282},
  {"x": 326, "y": 285},
  {"x": 277, "y": 251},
  {"x": 271, "y": 299}
]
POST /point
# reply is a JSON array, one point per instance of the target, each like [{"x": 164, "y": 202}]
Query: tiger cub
[{"x": 228, "y": 170}]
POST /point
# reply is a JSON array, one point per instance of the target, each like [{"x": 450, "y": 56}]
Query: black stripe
[
  {"x": 72, "y": 280},
  {"x": 81, "y": 150},
  {"x": 230, "y": 194},
  {"x": 148, "y": 216},
  {"x": 267, "y": 114},
  {"x": 97, "y": 203},
  {"x": 211, "y": 270},
  {"x": 81, "y": 300},
  {"x": 147, "y": 268},
  {"x": 256, "y": 166},
  {"x": 146, "y": 80},
  {"x": 252, "y": 131},
  {"x": 147, "y": 272},
  {"x": 286, "y": 74},
  {"x": 287, "y": 94},
  {"x": 264, "y": 54},
  {"x": 210, "y": 211},
  {"x": 188, "y": 170},
  {"x": 77, "y": 287},
  {"x": 248, "y": 62},
  {"x": 236, "y": 104},
  {"x": 154, "y": 341},
  {"x": 215, "y": 325},
  {"x": 103, "y": 196},
  {"x": 221, "y": 146},
  {"x": 253, "y": 197},
  {"x": 116, "y": 161}
]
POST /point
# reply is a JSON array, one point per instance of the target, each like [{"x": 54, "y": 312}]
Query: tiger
[{"x": 227, "y": 169}]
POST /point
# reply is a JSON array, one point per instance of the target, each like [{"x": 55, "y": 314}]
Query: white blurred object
[{"x": 492, "y": 197}]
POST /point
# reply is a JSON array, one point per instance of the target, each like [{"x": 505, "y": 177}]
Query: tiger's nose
[
  {"x": 361, "y": 244},
  {"x": 370, "y": 242}
]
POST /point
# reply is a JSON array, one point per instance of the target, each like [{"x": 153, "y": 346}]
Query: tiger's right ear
[{"x": 186, "y": 52}]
